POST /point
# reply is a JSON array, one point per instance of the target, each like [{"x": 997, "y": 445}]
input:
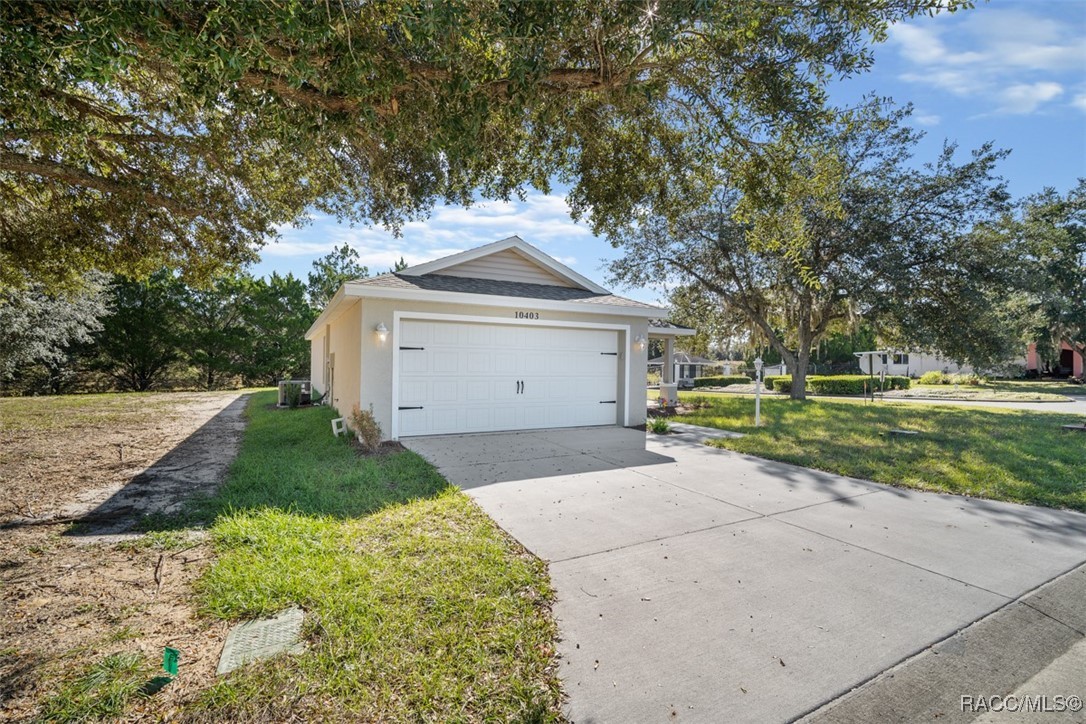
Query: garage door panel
[
  {"x": 478, "y": 378},
  {"x": 447, "y": 334},
  {"x": 415, "y": 333}
]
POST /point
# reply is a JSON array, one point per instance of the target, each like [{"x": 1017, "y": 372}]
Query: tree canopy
[
  {"x": 1053, "y": 228},
  {"x": 859, "y": 231},
  {"x": 183, "y": 134}
]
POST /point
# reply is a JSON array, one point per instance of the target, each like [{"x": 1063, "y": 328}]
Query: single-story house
[
  {"x": 1070, "y": 363},
  {"x": 907, "y": 364},
  {"x": 502, "y": 337},
  {"x": 686, "y": 367}
]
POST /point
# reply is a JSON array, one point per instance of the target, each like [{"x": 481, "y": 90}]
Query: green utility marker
[{"x": 170, "y": 657}]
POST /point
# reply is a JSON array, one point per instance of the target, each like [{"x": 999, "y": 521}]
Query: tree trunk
[{"x": 802, "y": 358}]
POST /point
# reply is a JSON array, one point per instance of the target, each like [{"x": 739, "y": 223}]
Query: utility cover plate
[{"x": 262, "y": 639}]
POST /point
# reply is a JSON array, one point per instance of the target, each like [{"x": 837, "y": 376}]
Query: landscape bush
[
  {"x": 934, "y": 377},
  {"x": 854, "y": 384},
  {"x": 778, "y": 383},
  {"x": 721, "y": 381},
  {"x": 366, "y": 428},
  {"x": 659, "y": 426}
]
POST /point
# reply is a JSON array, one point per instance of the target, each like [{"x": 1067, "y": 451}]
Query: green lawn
[
  {"x": 418, "y": 606},
  {"x": 1010, "y": 455}
]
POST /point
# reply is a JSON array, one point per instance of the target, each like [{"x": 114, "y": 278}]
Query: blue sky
[{"x": 1009, "y": 72}]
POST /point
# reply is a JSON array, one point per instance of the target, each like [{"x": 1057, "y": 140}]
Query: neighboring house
[
  {"x": 907, "y": 364},
  {"x": 1070, "y": 363},
  {"x": 685, "y": 367},
  {"x": 502, "y": 337}
]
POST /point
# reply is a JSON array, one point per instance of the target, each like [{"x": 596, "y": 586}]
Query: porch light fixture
[
  {"x": 639, "y": 342},
  {"x": 382, "y": 332}
]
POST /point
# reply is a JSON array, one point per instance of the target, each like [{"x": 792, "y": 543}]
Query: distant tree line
[{"x": 117, "y": 333}]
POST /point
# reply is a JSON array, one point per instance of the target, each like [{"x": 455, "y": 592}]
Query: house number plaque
[{"x": 526, "y": 315}]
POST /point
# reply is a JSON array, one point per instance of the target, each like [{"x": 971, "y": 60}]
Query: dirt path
[{"x": 71, "y": 596}]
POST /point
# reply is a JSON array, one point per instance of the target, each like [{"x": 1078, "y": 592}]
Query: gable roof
[
  {"x": 496, "y": 287},
  {"x": 433, "y": 282},
  {"x": 551, "y": 267}
]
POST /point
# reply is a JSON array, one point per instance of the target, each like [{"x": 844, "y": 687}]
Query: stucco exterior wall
[
  {"x": 344, "y": 345},
  {"x": 316, "y": 364},
  {"x": 375, "y": 365}
]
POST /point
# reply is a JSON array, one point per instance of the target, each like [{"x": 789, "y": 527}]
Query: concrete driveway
[{"x": 697, "y": 584}]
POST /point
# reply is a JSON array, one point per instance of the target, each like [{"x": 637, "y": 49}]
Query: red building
[{"x": 1070, "y": 362}]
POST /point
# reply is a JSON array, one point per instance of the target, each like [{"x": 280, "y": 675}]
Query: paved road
[{"x": 698, "y": 584}]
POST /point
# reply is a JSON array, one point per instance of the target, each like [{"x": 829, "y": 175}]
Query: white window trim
[{"x": 398, "y": 315}]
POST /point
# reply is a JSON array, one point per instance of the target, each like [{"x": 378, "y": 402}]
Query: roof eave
[{"x": 494, "y": 300}]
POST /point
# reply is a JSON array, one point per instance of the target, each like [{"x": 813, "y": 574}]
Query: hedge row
[
  {"x": 723, "y": 381},
  {"x": 854, "y": 384},
  {"x": 778, "y": 383},
  {"x": 836, "y": 384}
]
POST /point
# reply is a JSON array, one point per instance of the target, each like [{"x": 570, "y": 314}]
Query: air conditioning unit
[{"x": 307, "y": 391}]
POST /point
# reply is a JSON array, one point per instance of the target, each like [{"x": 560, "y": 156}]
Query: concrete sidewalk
[{"x": 698, "y": 584}]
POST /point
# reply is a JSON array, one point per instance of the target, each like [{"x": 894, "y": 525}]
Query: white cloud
[
  {"x": 541, "y": 219},
  {"x": 927, "y": 119},
  {"x": 1026, "y": 97},
  {"x": 1013, "y": 60},
  {"x": 1079, "y": 102}
]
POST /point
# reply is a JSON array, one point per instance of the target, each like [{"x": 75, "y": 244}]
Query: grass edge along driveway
[
  {"x": 419, "y": 607},
  {"x": 1008, "y": 455}
]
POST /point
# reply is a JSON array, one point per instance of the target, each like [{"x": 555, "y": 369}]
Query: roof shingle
[{"x": 464, "y": 285}]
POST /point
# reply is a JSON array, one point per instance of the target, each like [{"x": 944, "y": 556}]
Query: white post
[{"x": 758, "y": 392}]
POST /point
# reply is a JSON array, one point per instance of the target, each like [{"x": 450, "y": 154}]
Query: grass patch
[
  {"x": 1010, "y": 455},
  {"x": 418, "y": 606},
  {"x": 102, "y": 693}
]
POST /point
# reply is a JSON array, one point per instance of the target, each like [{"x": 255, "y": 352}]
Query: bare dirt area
[{"x": 77, "y": 584}]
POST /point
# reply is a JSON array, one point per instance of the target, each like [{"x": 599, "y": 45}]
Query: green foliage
[
  {"x": 275, "y": 317},
  {"x": 366, "y": 428},
  {"x": 659, "y": 426},
  {"x": 101, "y": 693},
  {"x": 934, "y": 377},
  {"x": 1009, "y": 455},
  {"x": 47, "y": 330},
  {"x": 1054, "y": 229},
  {"x": 849, "y": 227},
  {"x": 721, "y": 381},
  {"x": 778, "y": 383},
  {"x": 855, "y": 384},
  {"x": 142, "y": 336},
  {"x": 942, "y": 378},
  {"x": 330, "y": 272},
  {"x": 181, "y": 134},
  {"x": 293, "y": 393}
]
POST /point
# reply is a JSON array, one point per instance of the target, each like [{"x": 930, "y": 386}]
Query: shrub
[
  {"x": 366, "y": 428},
  {"x": 935, "y": 377},
  {"x": 854, "y": 384},
  {"x": 972, "y": 380},
  {"x": 653, "y": 378},
  {"x": 293, "y": 393},
  {"x": 778, "y": 383},
  {"x": 721, "y": 381},
  {"x": 660, "y": 425}
]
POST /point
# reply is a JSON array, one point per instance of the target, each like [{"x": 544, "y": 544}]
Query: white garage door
[{"x": 458, "y": 377}]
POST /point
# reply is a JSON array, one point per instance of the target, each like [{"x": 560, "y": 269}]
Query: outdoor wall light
[
  {"x": 639, "y": 342},
  {"x": 382, "y": 332}
]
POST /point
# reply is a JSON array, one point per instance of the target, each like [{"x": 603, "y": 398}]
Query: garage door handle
[
  {"x": 418, "y": 348},
  {"x": 411, "y": 408},
  {"x": 608, "y": 402},
  {"x": 613, "y": 354}
]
